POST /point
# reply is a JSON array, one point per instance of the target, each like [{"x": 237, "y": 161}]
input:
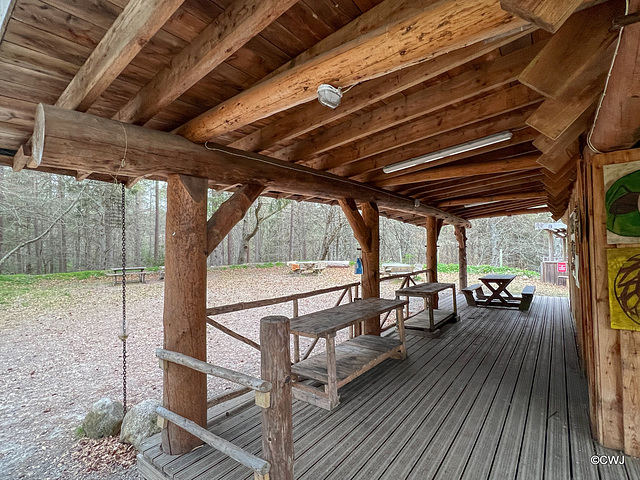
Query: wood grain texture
[
  {"x": 571, "y": 52},
  {"x": 277, "y": 420},
  {"x": 546, "y": 14},
  {"x": 137, "y": 23},
  {"x": 618, "y": 125},
  {"x": 185, "y": 390},
  {"x": 375, "y": 54}
]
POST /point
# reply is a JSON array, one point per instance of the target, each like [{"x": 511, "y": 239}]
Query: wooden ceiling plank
[
  {"x": 239, "y": 23},
  {"x": 137, "y": 23},
  {"x": 499, "y": 103},
  {"x": 618, "y": 124},
  {"x": 546, "y": 14},
  {"x": 571, "y": 52},
  {"x": 384, "y": 50},
  {"x": 526, "y": 162},
  {"x": 365, "y": 94},
  {"x": 461, "y": 87},
  {"x": 556, "y": 115}
]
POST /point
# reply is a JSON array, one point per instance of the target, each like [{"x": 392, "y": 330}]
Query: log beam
[
  {"x": 526, "y": 162},
  {"x": 492, "y": 198},
  {"x": 239, "y": 23},
  {"x": 80, "y": 141},
  {"x": 185, "y": 296},
  {"x": 230, "y": 213},
  {"x": 546, "y": 14},
  {"x": 424, "y": 31},
  {"x": 315, "y": 115},
  {"x": 511, "y": 213},
  {"x": 458, "y": 89},
  {"x": 133, "y": 28}
]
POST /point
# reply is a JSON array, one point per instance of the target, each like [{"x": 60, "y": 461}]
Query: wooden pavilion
[{"x": 222, "y": 94}]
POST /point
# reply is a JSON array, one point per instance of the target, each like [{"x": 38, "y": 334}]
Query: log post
[
  {"x": 277, "y": 420},
  {"x": 185, "y": 390},
  {"x": 432, "y": 253},
  {"x": 366, "y": 230},
  {"x": 462, "y": 256}
]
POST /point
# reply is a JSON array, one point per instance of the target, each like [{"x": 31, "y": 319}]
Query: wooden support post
[
  {"x": 432, "y": 253},
  {"x": 185, "y": 390},
  {"x": 462, "y": 256},
  {"x": 277, "y": 420},
  {"x": 366, "y": 229}
]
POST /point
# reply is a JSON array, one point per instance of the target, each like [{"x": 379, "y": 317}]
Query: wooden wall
[{"x": 610, "y": 357}]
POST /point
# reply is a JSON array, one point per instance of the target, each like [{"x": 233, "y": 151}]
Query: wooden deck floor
[{"x": 498, "y": 395}]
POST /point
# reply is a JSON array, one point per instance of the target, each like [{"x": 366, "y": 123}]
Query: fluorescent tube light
[{"x": 448, "y": 152}]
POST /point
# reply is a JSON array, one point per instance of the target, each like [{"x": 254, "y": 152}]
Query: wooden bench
[
  {"x": 468, "y": 292},
  {"x": 344, "y": 362},
  {"x": 527, "y": 297}
]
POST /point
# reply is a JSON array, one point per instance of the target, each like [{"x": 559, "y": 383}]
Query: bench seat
[
  {"x": 527, "y": 297},
  {"x": 473, "y": 293}
]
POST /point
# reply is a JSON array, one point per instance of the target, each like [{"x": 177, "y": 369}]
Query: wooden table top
[
  {"x": 325, "y": 322},
  {"x": 427, "y": 288},
  {"x": 119, "y": 269},
  {"x": 493, "y": 277}
]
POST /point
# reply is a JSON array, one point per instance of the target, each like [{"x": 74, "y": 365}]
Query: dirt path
[{"x": 59, "y": 353}]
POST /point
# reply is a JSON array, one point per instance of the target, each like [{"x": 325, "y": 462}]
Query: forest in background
[{"x": 52, "y": 224}]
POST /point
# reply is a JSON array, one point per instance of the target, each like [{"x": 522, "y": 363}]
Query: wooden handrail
[
  {"x": 257, "y": 464},
  {"x": 237, "y": 377},
  {"x": 236, "y": 307}
]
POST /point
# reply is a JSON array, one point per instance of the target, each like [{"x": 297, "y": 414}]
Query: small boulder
[
  {"x": 140, "y": 423},
  {"x": 104, "y": 419}
]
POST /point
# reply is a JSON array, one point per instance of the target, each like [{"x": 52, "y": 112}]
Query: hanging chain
[{"x": 123, "y": 335}]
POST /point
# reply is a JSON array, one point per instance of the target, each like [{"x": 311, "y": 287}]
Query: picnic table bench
[
  {"x": 344, "y": 362},
  {"x": 117, "y": 272}
]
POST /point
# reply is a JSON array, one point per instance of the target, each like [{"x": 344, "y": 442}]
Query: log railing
[
  {"x": 262, "y": 390},
  {"x": 349, "y": 291},
  {"x": 408, "y": 280}
]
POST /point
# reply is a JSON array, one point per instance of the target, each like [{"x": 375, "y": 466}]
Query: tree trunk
[
  {"x": 291, "y": 223},
  {"x": 62, "y": 266},
  {"x": 156, "y": 225},
  {"x": 1, "y": 216}
]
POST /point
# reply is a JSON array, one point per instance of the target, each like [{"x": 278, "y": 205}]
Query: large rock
[
  {"x": 104, "y": 419},
  {"x": 140, "y": 423}
]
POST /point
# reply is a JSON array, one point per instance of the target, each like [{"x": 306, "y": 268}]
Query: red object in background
[{"x": 562, "y": 267}]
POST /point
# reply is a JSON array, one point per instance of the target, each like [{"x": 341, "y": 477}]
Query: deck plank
[{"x": 498, "y": 395}]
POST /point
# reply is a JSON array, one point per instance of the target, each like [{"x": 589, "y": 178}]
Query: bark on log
[
  {"x": 277, "y": 420},
  {"x": 185, "y": 390},
  {"x": 79, "y": 141}
]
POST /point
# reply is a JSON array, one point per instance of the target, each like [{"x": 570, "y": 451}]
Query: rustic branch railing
[
  {"x": 408, "y": 279},
  {"x": 258, "y": 465},
  {"x": 227, "y": 374},
  {"x": 350, "y": 290}
]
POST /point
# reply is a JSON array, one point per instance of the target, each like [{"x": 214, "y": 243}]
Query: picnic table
[
  {"x": 117, "y": 272},
  {"x": 430, "y": 319},
  {"x": 307, "y": 266},
  {"x": 497, "y": 284},
  {"x": 499, "y": 296},
  {"x": 393, "y": 268},
  {"x": 344, "y": 362}
]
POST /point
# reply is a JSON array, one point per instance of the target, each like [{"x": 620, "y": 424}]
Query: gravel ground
[{"x": 59, "y": 353}]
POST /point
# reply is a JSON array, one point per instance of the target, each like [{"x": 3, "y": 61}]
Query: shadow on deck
[{"x": 498, "y": 395}]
